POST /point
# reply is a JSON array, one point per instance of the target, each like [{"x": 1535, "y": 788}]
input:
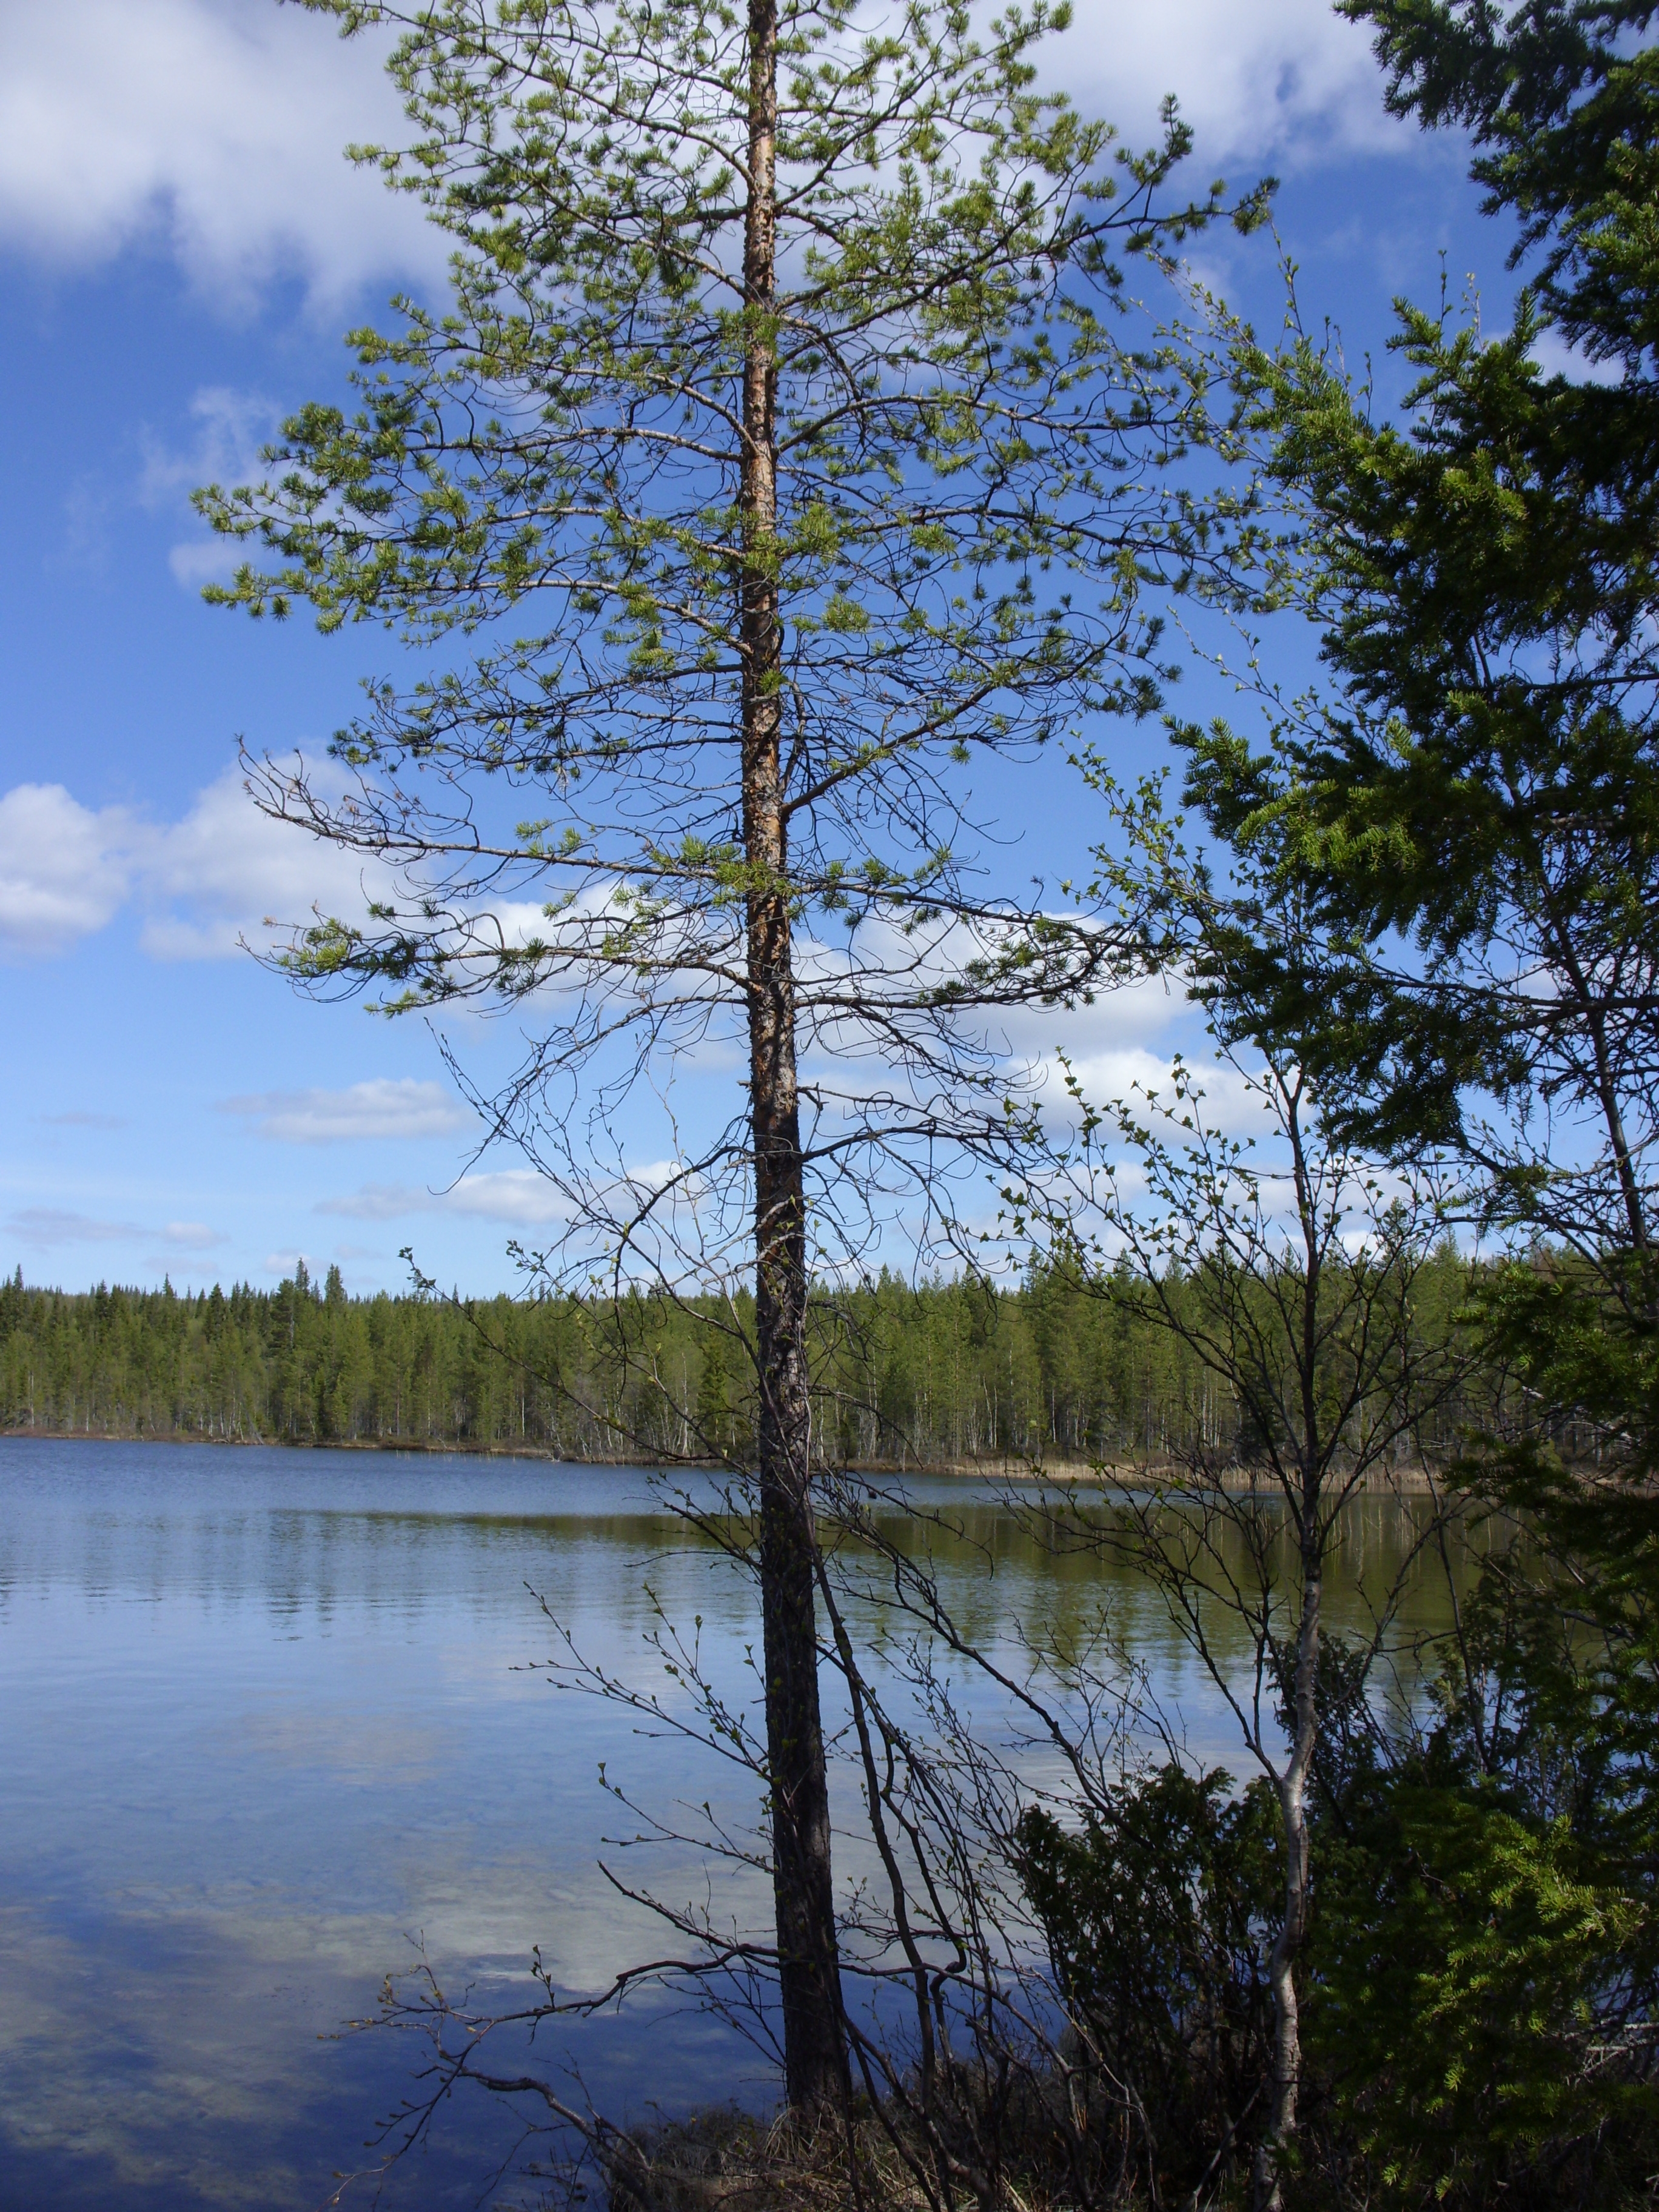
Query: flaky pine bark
[{"x": 814, "y": 2060}]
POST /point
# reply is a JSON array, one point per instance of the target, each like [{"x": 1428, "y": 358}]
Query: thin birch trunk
[
  {"x": 1267, "y": 2189},
  {"x": 1269, "y": 2176}
]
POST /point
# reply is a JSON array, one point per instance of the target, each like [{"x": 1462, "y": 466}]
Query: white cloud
[
  {"x": 384, "y": 1107},
  {"x": 517, "y": 1195},
  {"x": 216, "y": 125},
  {"x": 231, "y": 430},
  {"x": 191, "y": 1235},
  {"x": 381, "y": 1201},
  {"x": 196, "y": 561},
  {"x": 513, "y": 1194},
  {"x": 206, "y": 881},
  {"x": 1257, "y": 83},
  {"x": 1117, "y": 1017},
  {"x": 53, "y": 1224},
  {"x": 214, "y": 877},
  {"x": 1557, "y": 358},
  {"x": 1229, "y": 1106},
  {"x": 64, "y": 870},
  {"x": 223, "y": 875}
]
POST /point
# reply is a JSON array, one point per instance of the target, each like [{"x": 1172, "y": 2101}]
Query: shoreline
[{"x": 1061, "y": 1473}]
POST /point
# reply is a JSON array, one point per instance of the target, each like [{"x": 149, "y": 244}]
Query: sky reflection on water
[{"x": 265, "y": 1718}]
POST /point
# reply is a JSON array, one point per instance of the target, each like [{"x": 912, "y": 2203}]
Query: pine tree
[{"x": 781, "y": 452}]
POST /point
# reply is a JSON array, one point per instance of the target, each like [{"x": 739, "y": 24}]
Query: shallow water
[{"x": 265, "y": 1722}]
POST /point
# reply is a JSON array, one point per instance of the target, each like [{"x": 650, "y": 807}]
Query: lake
[{"x": 268, "y": 1718}]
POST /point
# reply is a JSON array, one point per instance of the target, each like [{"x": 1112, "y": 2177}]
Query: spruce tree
[
  {"x": 1466, "y": 814},
  {"x": 1472, "y": 807}
]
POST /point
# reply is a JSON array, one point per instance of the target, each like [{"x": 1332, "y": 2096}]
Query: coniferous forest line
[{"x": 947, "y": 1373}]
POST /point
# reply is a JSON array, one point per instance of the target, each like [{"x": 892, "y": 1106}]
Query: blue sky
[{"x": 180, "y": 245}]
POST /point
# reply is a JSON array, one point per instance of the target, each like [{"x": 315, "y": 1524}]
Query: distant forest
[{"x": 948, "y": 1372}]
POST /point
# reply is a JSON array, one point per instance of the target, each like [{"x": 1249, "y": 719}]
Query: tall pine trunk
[{"x": 815, "y": 2060}]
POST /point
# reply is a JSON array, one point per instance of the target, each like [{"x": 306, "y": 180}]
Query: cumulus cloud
[
  {"x": 213, "y": 877},
  {"x": 1269, "y": 84},
  {"x": 1557, "y": 358},
  {"x": 196, "y": 562},
  {"x": 1131, "y": 1014},
  {"x": 229, "y": 431},
  {"x": 384, "y": 1107},
  {"x": 1123, "y": 1048},
  {"x": 1229, "y": 1106},
  {"x": 512, "y": 1194},
  {"x": 222, "y": 875},
  {"x": 215, "y": 126},
  {"x": 63, "y": 869},
  {"x": 381, "y": 1201},
  {"x": 203, "y": 884}
]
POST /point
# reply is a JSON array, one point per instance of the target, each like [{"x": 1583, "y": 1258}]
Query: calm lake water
[{"x": 265, "y": 1720}]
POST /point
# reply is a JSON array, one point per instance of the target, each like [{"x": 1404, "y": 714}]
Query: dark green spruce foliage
[
  {"x": 1475, "y": 811},
  {"x": 1155, "y": 1915},
  {"x": 1487, "y": 1964},
  {"x": 1560, "y": 100},
  {"x": 1483, "y": 1965},
  {"x": 1468, "y": 813}
]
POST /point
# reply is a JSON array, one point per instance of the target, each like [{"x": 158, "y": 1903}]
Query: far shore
[{"x": 1128, "y": 1475}]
